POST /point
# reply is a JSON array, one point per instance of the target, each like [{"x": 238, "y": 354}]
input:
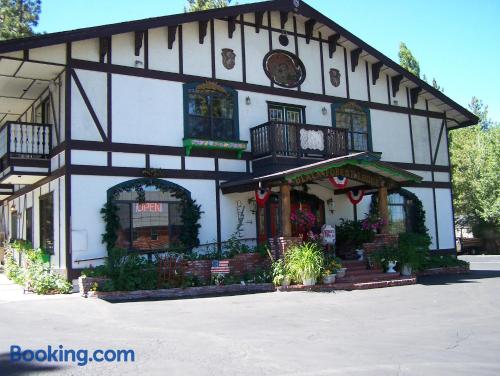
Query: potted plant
[
  {"x": 388, "y": 258},
  {"x": 412, "y": 250},
  {"x": 305, "y": 262},
  {"x": 281, "y": 276}
]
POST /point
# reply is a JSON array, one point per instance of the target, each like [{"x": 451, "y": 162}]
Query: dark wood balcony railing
[
  {"x": 278, "y": 139},
  {"x": 24, "y": 140}
]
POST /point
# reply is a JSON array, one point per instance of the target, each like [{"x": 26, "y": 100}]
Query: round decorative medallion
[
  {"x": 283, "y": 39},
  {"x": 284, "y": 68}
]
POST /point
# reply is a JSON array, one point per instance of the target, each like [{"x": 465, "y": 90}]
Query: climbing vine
[
  {"x": 190, "y": 214},
  {"x": 417, "y": 214}
]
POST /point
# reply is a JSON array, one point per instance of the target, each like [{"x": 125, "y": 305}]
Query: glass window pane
[
  {"x": 150, "y": 223},
  {"x": 343, "y": 120},
  {"x": 359, "y": 123},
  {"x": 47, "y": 223},
  {"x": 123, "y": 235}
]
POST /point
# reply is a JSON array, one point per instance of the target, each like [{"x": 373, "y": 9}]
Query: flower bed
[{"x": 179, "y": 293}]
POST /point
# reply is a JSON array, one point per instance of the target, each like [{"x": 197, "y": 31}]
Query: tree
[
  {"x": 18, "y": 17},
  {"x": 475, "y": 163},
  {"x": 196, "y": 5},
  {"x": 407, "y": 60},
  {"x": 411, "y": 64}
]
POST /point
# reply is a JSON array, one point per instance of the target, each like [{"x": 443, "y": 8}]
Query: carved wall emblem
[
  {"x": 284, "y": 68},
  {"x": 335, "y": 77},
  {"x": 228, "y": 58}
]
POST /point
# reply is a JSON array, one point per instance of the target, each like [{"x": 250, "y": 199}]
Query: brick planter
[
  {"x": 199, "y": 268},
  {"x": 85, "y": 284},
  {"x": 444, "y": 270},
  {"x": 179, "y": 293}
]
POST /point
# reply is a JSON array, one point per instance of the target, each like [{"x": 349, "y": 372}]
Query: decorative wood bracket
[
  {"x": 376, "y": 71},
  {"x": 172, "y": 31},
  {"x": 202, "y": 30},
  {"x": 332, "y": 44},
  {"x": 258, "y": 20},
  {"x": 396, "y": 81},
  {"x": 414, "y": 93},
  {"x": 231, "y": 26},
  {"x": 104, "y": 46},
  {"x": 283, "y": 19},
  {"x": 309, "y": 27},
  {"x": 355, "y": 58},
  {"x": 139, "y": 37}
]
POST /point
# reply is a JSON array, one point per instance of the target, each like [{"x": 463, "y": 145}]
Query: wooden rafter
[
  {"x": 104, "y": 44},
  {"x": 376, "y": 71},
  {"x": 172, "y": 31},
  {"x": 355, "y": 58},
  {"x": 231, "y": 26},
  {"x": 202, "y": 30},
  {"x": 332, "y": 44},
  {"x": 258, "y": 20},
  {"x": 396, "y": 82},
  {"x": 414, "y": 93},
  {"x": 283, "y": 19},
  {"x": 309, "y": 27},
  {"x": 138, "y": 38}
]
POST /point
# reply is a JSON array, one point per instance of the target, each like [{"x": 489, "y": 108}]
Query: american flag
[{"x": 220, "y": 267}]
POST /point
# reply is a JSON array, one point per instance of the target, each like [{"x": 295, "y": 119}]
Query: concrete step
[{"x": 351, "y": 272}]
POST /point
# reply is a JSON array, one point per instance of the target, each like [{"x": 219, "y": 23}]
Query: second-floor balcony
[
  {"x": 24, "y": 152},
  {"x": 278, "y": 144}
]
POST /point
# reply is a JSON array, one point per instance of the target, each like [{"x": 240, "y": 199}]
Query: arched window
[
  {"x": 357, "y": 122},
  {"x": 400, "y": 214},
  {"x": 211, "y": 112},
  {"x": 150, "y": 214}
]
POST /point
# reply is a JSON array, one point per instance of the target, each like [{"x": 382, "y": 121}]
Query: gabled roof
[
  {"x": 367, "y": 161},
  {"x": 346, "y": 38}
]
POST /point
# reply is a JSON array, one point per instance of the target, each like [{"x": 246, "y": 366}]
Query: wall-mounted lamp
[
  {"x": 324, "y": 111},
  {"x": 248, "y": 101},
  {"x": 252, "y": 204},
  {"x": 13, "y": 208},
  {"x": 330, "y": 205},
  {"x": 138, "y": 63}
]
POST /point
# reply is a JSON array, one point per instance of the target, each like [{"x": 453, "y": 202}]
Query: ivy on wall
[
  {"x": 417, "y": 214},
  {"x": 191, "y": 212}
]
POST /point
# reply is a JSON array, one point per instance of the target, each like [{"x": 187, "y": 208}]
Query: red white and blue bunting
[
  {"x": 261, "y": 196},
  {"x": 338, "y": 181},
  {"x": 355, "y": 195}
]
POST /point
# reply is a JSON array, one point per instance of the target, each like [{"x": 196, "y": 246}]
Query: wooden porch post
[
  {"x": 286, "y": 225},
  {"x": 383, "y": 208}
]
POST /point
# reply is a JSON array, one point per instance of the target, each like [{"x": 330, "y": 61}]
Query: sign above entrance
[{"x": 148, "y": 207}]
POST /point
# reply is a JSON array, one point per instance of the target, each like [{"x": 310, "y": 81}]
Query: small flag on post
[{"x": 220, "y": 267}]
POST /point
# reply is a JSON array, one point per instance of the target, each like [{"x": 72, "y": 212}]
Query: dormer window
[
  {"x": 356, "y": 120},
  {"x": 211, "y": 112}
]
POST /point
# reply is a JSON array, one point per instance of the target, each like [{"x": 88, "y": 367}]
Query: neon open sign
[{"x": 149, "y": 207}]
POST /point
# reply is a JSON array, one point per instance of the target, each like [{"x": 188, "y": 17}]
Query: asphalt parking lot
[{"x": 442, "y": 326}]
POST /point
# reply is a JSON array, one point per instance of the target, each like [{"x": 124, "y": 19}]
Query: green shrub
[
  {"x": 98, "y": 271},
  {"x": 280, "y": 271},
  {"x": 413, "y": 249},
  {"x": 304, "y": 261},
  {"x": 353, "y": 233},
  {"x": 12, "y": 270},
  {"x": 436, "y": 261},
  {"x": 384, "y": 255}
]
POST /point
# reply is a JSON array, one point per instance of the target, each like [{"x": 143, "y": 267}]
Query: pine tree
[
  {"x": 407, "y": 60},
  {"x": 196, "y": 5},
  {"x": 18, "y": 17}
]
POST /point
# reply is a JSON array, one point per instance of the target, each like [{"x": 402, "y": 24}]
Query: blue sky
[{"x": 456, "y": 41}]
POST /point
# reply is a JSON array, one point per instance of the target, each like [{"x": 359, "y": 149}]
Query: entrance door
[
  {"x": 268, "y": 220},
  {"x": 285, "y": 118}
]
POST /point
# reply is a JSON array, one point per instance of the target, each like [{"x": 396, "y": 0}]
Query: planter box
[
  {"x": 85, "y": 284},
  {"x": 444, "y": 270},
  {"x": 179, "y": 293}
]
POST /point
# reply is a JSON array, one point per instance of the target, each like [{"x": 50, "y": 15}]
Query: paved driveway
[{"x": 444, "y": 326}]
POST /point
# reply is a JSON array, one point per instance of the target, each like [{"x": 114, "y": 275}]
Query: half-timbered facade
[{"x": 219, "y": 103}]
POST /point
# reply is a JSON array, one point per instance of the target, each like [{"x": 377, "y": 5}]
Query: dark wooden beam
[
  {"x": 332, "y": 44},
  {"x": 355, "y": 58},
  {"x": 231, "y": 26},
  {"x": 396, "y": 81},
  {"x": 202, "y": 30},
  {"x": 283, "y": 19},
  {"x": 104, "y": 44},
  {"x": 376, "y": 71},
  {"x": 309, "y": 27},
  {"x": 414, "y": 93},
  {"x": 258, "y": 20},
  {"x": 139, "y": 37},
  {"x": 172, "y": 31}
]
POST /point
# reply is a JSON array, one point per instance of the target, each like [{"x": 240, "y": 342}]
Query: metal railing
[{"x": 298, "y": 140}]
